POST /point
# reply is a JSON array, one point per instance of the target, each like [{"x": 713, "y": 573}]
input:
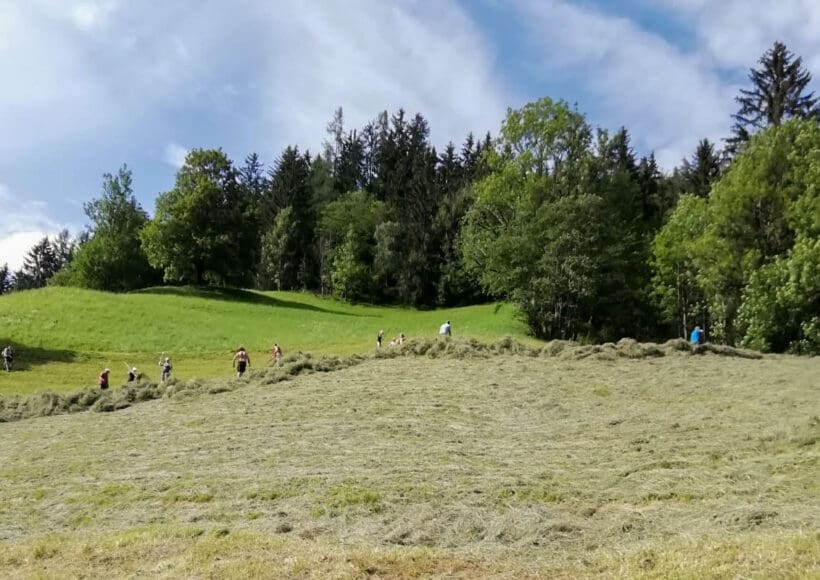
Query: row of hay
[
  {"x": 562, "y": 349},
  {"x": 48, "y": 403}
]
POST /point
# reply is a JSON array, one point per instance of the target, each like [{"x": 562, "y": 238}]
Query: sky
[{"x": 89, "y": 85}]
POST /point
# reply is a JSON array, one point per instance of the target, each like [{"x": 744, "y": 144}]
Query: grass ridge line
[{"x": 16, "y": 408}]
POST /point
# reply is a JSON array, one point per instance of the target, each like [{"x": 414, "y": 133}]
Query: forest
[{"x": 591, "y": 241}]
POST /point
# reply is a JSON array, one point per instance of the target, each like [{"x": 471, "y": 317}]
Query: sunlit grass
[
  {"x": 66, "y": 336},
  {"x": 501, "y": 465}
]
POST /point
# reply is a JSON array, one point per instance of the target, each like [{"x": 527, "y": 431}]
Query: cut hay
[{"x": 296, "y": 364}]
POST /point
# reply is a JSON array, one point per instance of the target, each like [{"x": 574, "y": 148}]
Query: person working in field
[
  {"x": 696, "y": 338},
  {"x": 165, "y": 363},
  {"x": 379, "y": 339},
  {"x": 276, "y": 353},
  {"x": 445, "y": 329},
  {"x": 8, "y": 357},
  {"x": 241, "y": 361},
  {"x": 133, "y": 375},
  {"x": 102, "y": 380}
]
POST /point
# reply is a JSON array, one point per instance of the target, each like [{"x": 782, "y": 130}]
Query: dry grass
[
  {"x": 191, "y": 552},
  {"x": 469, "y": 464},
  {"x": 45, "y": 403}
]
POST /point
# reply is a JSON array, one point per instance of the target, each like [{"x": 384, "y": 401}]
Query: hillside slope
[
  {"x": 65, "y": 336},
  {"x": 502, "y": 465}
]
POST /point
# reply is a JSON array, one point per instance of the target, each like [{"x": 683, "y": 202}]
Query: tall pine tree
[
  {"x": 699, "y": 173},
  {"x": 778, "y": 93}
]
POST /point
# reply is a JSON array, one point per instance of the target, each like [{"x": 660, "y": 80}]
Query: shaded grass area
[
  {"x": 35, "y": 356},
  {"x": 468, "y": 463},
  {"x": 200, "y": 328}
]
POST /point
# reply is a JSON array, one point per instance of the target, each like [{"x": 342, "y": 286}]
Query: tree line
[{"x": 560, "y": 217}]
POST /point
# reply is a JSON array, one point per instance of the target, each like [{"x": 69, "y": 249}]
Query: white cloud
[
  {"x": 24, "y": 222},
  {"x": 175, "y": 155},
  {"x": 368, "y": 56},
  {"x": 99, "y": 73},
  {"x": 669, "y": 97},
  {"x": 92, "y": 74},
  {"x": 14, "y": 247},
  {"x": 85, "y": 16},
  {"x": 305, "y": 59},
  {"x": 735, "y": 33},
  {"x": 666, "y": 98}
]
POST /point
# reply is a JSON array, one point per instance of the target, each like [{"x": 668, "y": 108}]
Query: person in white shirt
[{"x": 445, "y": 329}]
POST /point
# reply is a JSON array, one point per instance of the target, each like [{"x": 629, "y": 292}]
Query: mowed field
[
  {"x": 468, "y": 465},
  {"x": 64, "y": 337}
]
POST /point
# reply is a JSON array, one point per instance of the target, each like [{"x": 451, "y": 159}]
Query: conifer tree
[
  {"x": 778, "y": 93},
  {"x": 702, "y": 170}
]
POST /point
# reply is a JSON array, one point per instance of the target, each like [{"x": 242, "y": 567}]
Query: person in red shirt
[{"x": 103, "y": 379}]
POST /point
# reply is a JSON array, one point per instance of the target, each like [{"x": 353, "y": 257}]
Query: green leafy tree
[
  {"x": 351, "y": 274},
  {"x": 755, "y": 212},
  {"x": 276, "y": 270},
  {"x": 204, "y": 230},
  {"x": 780, "y": 308},
  {"x": 387, "y": 256},
  {"x": 535, "y": 233},
  {"x": 781, "y": 304},
  {"x": 112, "y": 258},
  {"x": 778, "y": 93},
  {"x": 351, "y": 222},
  {"x": 675, "y": 252}
]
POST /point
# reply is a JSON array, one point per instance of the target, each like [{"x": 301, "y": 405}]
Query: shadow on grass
[
  {"x": 238, "y": 295},
  {"x": 26, "y": 357}
]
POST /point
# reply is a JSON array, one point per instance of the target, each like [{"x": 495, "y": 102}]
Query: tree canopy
[{"x": 589, "y": 239}]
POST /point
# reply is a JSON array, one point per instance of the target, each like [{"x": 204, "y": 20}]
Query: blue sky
[{"x": 91, "y": 84}]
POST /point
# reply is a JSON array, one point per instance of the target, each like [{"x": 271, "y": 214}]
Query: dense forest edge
[{"x": 556, "y": 216}]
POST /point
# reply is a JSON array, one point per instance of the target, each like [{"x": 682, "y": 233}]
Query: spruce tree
[
  {"x": 778, "y": 93},
  {"x": 702, "y": 170},
  {"x": 40, "y": 264},
  {"x": 5, "y": 279}
]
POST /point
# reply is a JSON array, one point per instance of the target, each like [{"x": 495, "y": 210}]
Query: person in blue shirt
[{"x": 696, "y": 338}]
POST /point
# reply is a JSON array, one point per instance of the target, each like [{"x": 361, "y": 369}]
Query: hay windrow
[
  {"x": 48, "y": 403},
  {"x": 534, "y": 462}
]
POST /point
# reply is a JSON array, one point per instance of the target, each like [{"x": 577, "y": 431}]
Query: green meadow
[
  {"x": 64, "y": 337},
  {"x": 489, "y": 455}
]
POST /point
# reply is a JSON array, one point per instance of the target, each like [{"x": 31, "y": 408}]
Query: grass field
[
  {"x": 64, "y": 337},
  {"x": 470, "y": 465}
]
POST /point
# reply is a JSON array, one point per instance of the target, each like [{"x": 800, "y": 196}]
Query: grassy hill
[
  {"x": 471, "y": 463},
  {"x": 65, "y": 336}
]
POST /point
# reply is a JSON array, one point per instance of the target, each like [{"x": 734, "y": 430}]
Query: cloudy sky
[{"x": 91, "y": 84}]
